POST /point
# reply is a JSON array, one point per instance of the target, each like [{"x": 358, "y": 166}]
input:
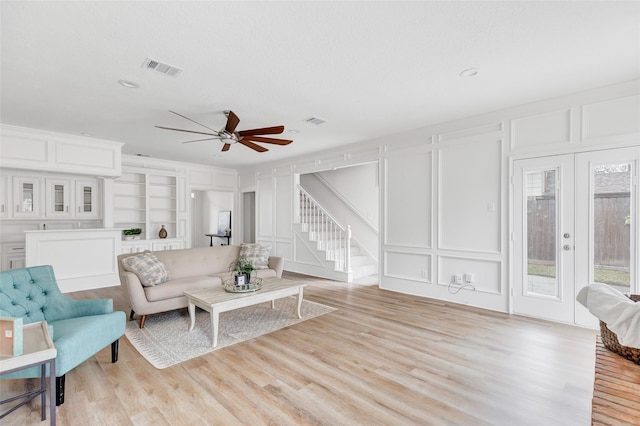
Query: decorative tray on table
[{"x": 230, "y": 286}]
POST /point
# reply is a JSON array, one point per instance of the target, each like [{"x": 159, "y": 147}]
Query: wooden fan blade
[
  {"x": 253, "y": 146},
  {"x": 189, "y": 131},
  {"x": 200, "y": 140},
  {"x": 268, "y": 140},
  {"x": 276, "y": 130},
  {"x": 232, "y": 122},
  {"x": 226, "y": 147},
  {"x": 193, "y": 121}
]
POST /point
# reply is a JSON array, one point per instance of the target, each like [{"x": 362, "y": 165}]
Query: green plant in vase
[
  {"x": 241, "y": 270},
  {"x": 131, "y": 233}
]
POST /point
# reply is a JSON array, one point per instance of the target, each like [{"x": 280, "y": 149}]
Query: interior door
[
  {"x": 575, "y": 223},
  {"x": 543, "y": 238}
]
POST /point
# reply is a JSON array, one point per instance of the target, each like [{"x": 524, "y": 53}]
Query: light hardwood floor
[{"x": 381, "y": 358}]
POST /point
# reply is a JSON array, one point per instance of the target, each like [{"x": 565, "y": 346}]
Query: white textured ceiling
[{"x": 368, "y": 68}]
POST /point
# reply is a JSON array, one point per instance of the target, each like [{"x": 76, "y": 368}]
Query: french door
[{"x": 574, "y": 223}]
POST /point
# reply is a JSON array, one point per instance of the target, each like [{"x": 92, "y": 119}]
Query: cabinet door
[
  {"x": 15, "y": 261},
  {"x": 58, "y": 198},
  {"x": 27, "y": 197},
  {"x": 87, "y": 205},
  {"x": 4, "y": 196}
]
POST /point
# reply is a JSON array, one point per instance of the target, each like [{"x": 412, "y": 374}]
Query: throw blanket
[{"x": 620, "y": 313}]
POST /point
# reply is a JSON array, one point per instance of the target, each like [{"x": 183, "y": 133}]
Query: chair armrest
[
  {"x": 65, "y": 308},
  {"x": 277, "y": 264},
  {"x": 87, "y": 307}
]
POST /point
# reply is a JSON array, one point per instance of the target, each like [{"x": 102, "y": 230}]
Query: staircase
[{"x": 333, "y": 241}]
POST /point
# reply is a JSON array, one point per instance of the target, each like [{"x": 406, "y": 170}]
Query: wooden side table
[{"x": 38, "y": 349}]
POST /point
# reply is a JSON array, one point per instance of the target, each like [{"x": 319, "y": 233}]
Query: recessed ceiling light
[
  {"x": 469, "y": 72},
  {"x": 128, "y": 84},
  {"x": 86, "y": 134},
  {"x": 294, "y": 131}
]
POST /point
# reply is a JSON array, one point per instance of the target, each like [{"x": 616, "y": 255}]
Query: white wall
[
  {"x": 444, "y": 193},
  {"x": 359, "y": 185}
]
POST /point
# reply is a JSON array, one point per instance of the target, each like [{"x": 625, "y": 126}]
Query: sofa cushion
[
  {"x": 176, "y": 288},
  {"x": 199, "y": 261},
  {"x": 257, "y": 254},
  {"x": 149, "y": 269}
]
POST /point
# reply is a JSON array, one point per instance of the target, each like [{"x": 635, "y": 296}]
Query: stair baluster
[{"x": 326, "y": 231}]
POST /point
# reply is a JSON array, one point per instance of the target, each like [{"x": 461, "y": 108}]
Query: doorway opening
[
  {"x": 248, "y": 210},
  {"x": 205, "y": 212}
]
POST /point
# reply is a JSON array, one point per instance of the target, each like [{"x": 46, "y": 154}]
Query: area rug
[{"x": 166, "y": 340}]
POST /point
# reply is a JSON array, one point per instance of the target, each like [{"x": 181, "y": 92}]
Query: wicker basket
[{"x": 610, "y": 340}]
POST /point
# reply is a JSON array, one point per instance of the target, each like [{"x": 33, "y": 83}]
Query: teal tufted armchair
[{"x": 79, "y": 328}]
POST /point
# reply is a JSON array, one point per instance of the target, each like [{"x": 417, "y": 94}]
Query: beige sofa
[{"x": 189, "y": 269}]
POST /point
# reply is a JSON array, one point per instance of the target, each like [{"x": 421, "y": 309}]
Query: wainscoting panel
[
  {"x": 265, "y": 208},
  {"x": 410, "y": 266},
  {"x": 16, "y": 147},
  {"x": 542, "y": 129},
  {"x": 283, "y": 206},
  {"x": 486, "y": 273},
  {"x": 82, "y": 259},
  {"x": 470, "y": 204},
  {"x": 469, "y": 133},
  {"x": 609, "y": 118},
  {"x": 407, "y": 199}
]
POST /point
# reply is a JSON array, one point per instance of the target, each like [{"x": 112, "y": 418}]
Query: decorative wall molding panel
[
  {"x": 542, "y": 129},
  {"x": 33, "y": 149},
  {"x": 81, "y": 258},
  {"x": 470, "y": 201}
]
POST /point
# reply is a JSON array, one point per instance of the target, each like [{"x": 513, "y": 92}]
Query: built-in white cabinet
[
  {"x": 4, "y": 197},
  {"x": 62, "y": 201},
  {"x": 36, "y": 197},
  {"x": 12, "y": 256},
  {"x": 87, "y": 200},
  {"x": 138, "y": 246},
  {"x": 58, "y": 198},
  {"x": 146, "y": 201},
  {"x": 27, "y": 197}
]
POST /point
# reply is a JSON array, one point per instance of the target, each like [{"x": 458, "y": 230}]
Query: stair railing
[{"x": 329, "y": 234}]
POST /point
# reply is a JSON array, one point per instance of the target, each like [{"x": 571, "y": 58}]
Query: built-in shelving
[{"x": 147, "y": 201}]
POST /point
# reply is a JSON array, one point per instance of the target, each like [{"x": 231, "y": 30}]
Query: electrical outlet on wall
[
  {"x": 468, "y": 278},
  {"x": 457, "y": 278}
]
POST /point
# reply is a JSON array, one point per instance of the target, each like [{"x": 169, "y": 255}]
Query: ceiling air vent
[
  {"x": 166, "y": 69},
  {"x": 315, "y": 120}
]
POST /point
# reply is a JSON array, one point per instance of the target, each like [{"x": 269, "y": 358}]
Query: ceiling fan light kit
[{"x": 229, "y": 136}]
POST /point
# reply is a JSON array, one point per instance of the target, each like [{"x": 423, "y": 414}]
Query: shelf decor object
[{"x": 163, "y": 232}]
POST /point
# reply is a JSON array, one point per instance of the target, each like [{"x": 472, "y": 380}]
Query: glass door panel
[
  {"x": 87, "y": 199},
  {"x": 27, "y": 197},
  {"x": 541, "y": 233},
  {"x": 58, "y": 198},
  {"x": 611, "y": 198}
]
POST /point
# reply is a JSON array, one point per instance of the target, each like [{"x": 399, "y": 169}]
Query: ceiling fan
[{"x": 229, "y": 136}]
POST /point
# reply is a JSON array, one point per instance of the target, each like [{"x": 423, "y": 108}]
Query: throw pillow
[
  {"x": 257, "y": 254},
  {"x": 149, "y": 269}
]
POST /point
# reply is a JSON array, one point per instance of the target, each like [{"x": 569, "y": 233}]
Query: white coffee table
[{"x": 216, "y": 300}]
